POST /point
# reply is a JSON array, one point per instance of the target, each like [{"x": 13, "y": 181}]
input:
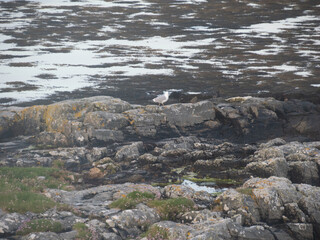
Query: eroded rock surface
[
  {"x": 262, "y": 208},
  {"x": 107, "y": 119}
]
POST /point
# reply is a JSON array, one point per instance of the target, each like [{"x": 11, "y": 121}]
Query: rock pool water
[{"x": 134, "y": 49}]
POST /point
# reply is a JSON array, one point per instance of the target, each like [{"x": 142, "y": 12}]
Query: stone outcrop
[
  {"x": 106, "y": 119},
  {"x": 265, "y": 151},
  {"x": 262, "y": 208}
]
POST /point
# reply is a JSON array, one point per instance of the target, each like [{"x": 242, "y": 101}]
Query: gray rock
[
  {"x": 309, "y": 204},
  {"x": 145, "y": 122},
  {"x": 254, "y": 232},
  {"x": 148, "y": 158},
  {"x": 94, "y": 201},
  {"x": 106, "y": 135},
  {"x": 228, "y": 229},
  {"x": 42, "y": 236},
  {"x": 175, "y": 191},
  {"x": 68, "y": 235},
  {"x": 217, "y": 229},
  {"x": 176, "y": 231},
  {"x": 129, "y": 152},
  {"x": 273, "y": 167},
  {"x": 280, "y": 234},
  {"x": 110, "y": 236},
  {"x": 301, "y": 231},
  {"x": 304, "y": 172},
  {"x": 9, "y": 223},
  {"x": 133, "y": 221},
  {"x": 183, "y": 115},
  {"x": 233, "y": 202},
  {"x": 106, "y": 120}
]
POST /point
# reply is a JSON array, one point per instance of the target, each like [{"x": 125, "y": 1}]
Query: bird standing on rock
[{"x": 162, "y": 98}]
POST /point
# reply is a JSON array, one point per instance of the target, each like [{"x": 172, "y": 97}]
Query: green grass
[
  {"x": 155, "y": 232},
  {"x": 40, "y": 225},
  {"x": 169, "y": 209},
  {"x": 23, "y": 202},
  {"x": 132, "y": 199},
  {"x": 83, "y": 232},
  {"x": 20, "y": 188}
]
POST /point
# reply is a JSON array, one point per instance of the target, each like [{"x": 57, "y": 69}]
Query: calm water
[{"x": 53, "y": 50}]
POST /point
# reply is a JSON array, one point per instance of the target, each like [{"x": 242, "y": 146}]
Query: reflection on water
[{"x": 135, "y": 49}]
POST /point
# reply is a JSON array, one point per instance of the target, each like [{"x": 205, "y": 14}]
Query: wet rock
[{"x": 7, "y": 124}]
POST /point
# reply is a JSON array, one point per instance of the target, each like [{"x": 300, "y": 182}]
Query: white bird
[{"x": 161, "y": 99}]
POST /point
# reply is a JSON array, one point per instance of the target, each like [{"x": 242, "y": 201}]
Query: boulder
[
  {"x": 9, "y": 223},
  {"x": 132, "y": 222},
  {"x": 273, "y": 167},
  {"x": 188, "y": 114},
  {"x": 175, "y": 231},
  {"x": 129, "y": 152},
  {"x": 175, "y": 191},
  {"x": 304, "y": 172},
  {"x": 42, "y": 235},
  {"x": 301, "y": 231}
]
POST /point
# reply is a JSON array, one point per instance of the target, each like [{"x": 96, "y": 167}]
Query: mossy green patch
[
  {"x": 218, "y": 181},
  {"x": 83, "y": 232},
  {"x": 40, "y": 225},
  {"x": 169, "y": 209},
  {"x": 156, "y": 232},
  {"x": 246, "y": 191},
  {"x": 24, "y": 201},
  {"x": 20, "y": 188},
  {"x": 132, "y": 199}
]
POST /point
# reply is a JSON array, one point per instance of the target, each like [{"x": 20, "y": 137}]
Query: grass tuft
[
  {"x": 170, "y": 209},
  {"x": 84, "y": 232},
  {"x": 155, "y": 233},
  {"x": 39, "y": 225},
  {"x": 132, "y": 199},
  {"x": 20, "y": 188}
]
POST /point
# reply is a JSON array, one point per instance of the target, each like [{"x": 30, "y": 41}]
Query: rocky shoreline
[{"x": 265, "y": 151}]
